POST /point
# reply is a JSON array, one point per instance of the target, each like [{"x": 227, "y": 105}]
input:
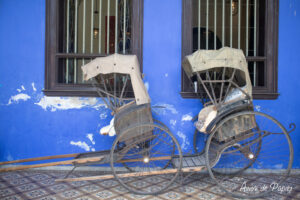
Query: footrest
[{"x": 105, "y": 154}]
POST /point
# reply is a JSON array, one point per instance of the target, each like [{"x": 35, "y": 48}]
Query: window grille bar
[
  {"x": 92, "y": 25},
  {"x": 99, "y": 27},
  {"x": 75, "y": 40},
  {"x": 124, "y": 25},
  {"x": 254, "y": 45},
  {"x": 116, "y": 27},
  {"x": 108, "y": 27},
  {"x": 215, "y": 26},
  {"x": 223, "y": 23},
  {"x": 83, "y": 26},
  {"x": 230, "y": 23},
  {"x": 247, "y": 27},
  {"x": 207, "y": 15},
  {"x": 83, "y": 33},
  {"x": 68, "y": 21},
  {"x": 199, "y": 23},
  {"x": 239, "y": 24}
]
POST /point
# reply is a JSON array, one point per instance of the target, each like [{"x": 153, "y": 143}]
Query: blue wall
[{"x": 27, "y": 129}]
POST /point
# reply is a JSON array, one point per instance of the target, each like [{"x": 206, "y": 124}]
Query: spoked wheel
[
  {"x": 147, "y": 151},
  {"x": 261, "y": 148},
  {"x": 147, "y": 143}
]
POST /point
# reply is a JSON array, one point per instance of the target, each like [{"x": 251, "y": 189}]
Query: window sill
[{"x": 256, "y": 95}]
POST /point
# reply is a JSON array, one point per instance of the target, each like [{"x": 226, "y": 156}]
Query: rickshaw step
[{"x": 195, "y": 160}]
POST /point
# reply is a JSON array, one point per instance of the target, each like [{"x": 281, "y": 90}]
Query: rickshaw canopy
[
  {"x": 203, "y": 60},
  {"x": 123, "y": 64}
]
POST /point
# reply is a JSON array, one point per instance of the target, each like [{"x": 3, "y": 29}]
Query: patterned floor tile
[
  {"x": 84, "y": 198},
  {"x": 70, "y": 194},
  {"x": 18, "y": 181},
  {"x": 104, "y": 194},
  {"x": 173, "y": 195},
  {"x": 90, "y": 188},
  {"x": 48, "y": 198},
  {"x": 59, "y": 187},
  {"x": 40, "y": 177},
  {"x": 187, "y": 189},
  {"x": 216, "y": 190},
  {"x": 109, "y": 183},
  {"x": 3, "y": 185},
  {"x": 199, "y": 185},
  {"x": 35, "y": 193},
  {"x": 206, "y": 196},
  {"x": 47, "y": 182},
  {"x": 136, "y": 196},
  {"x": 5, "y": 192},
  {"x": 79, "y": 183},
  {"x": 13, "y": 197},
  {"x": 27, "y": 187},
  {"x": 120, "y": 198},
  {"x": 41, "y": 185},
  {"x": 10, "y": 176}
]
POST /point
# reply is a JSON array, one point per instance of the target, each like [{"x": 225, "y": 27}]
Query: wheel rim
[
  {"x": 267, "y": 151},
  {"x": 151, "y": 153}
]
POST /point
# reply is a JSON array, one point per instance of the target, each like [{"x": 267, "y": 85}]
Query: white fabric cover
[
  {"x": 109, "y": 129},
  {"x": 225, "y": 57},
  {"x": 205, "y": 116},
  {"x": 117, "y": 63}
]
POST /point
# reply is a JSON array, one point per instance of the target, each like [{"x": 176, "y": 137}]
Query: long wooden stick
[
  {"x": 157, "y": 172},
  {"x": 66, "y": 162},
  {"x": 40, "y": 158}
]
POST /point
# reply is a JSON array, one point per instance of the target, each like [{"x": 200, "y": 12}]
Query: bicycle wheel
[
  {"x": 147, "y": 157},
  {"x": 261, "y": 147}
]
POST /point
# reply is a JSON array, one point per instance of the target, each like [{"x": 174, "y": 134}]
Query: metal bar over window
[
  {"x": 124, "y": 26},
  {"x": 199, "y": 24},
  {"x": 230, "y": 23},
  {"x": 92, "y": 25},
  {"x": 75, "y": 40},
  {"x": 116, "y": 27},
  {"x": 108, "y": 27},
  {"x": 68, "y": 29},
  {"x": 207, "y": 15},
  {"x": 215, "y": 26},
  {"x": 239, "y": 24},
  {"x": 83, "y": 27},
  {"x": 254, "y": 45},
  {"x": 100, "y": 28},
  {"x": 247, "y": 27}
]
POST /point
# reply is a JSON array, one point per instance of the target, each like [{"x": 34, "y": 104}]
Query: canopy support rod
[
  {"x": 124, "y": 86},
  {"x": 206, "y": 90},
  {"x": 108, "y": 97},
  {"x": 101, "y": 96},
  {"x": 229, "y": 85},
  {"x": 211, "y": 86},
  {"x": 222, "y": 85}
]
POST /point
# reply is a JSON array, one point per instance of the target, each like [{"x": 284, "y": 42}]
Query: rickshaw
[
  {"x": 245, "y": 141},
  {"x": 146, "y": 152}
]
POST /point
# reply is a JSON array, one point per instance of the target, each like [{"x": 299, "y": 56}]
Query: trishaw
[{"x": 240, "y": 140}]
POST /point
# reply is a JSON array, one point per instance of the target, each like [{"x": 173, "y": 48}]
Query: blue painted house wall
[{"x": 29, "y": 130}]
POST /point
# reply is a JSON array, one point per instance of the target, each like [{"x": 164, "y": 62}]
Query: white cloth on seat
[
  {"x": 205, "y": 116},
  {"x": 234, "y": 95},
  {"x": 109, "y": 129}
]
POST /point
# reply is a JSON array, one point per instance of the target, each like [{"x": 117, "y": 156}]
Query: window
[
  {"x": 78, "y": 31},
  {"x": 250, "y": 25}
]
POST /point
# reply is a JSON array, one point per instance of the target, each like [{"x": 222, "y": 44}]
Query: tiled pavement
[{"x": 41, "y": 185}]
